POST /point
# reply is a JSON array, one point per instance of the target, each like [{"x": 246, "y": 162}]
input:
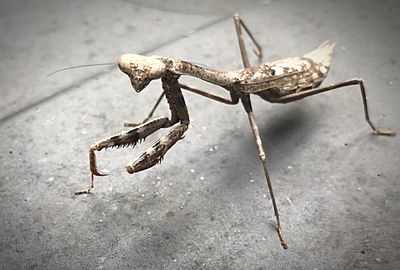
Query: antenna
[{"x": 89, "y": 65}]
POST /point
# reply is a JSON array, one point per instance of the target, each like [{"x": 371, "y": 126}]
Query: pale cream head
[{"x": 141, "y": 69}]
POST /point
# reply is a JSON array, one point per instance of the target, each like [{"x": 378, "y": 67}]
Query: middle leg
[
  {"x": 134, "y": 124},
  {"x": 247, "y": 106},
  {"x": 234, "y": 99},
  {"x": 257, "y": 48}
]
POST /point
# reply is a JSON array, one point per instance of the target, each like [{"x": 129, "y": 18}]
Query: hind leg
[{"x": 314, "y": 91}]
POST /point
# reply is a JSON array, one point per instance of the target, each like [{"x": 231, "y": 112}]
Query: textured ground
[{"x": 206, "y": 206}]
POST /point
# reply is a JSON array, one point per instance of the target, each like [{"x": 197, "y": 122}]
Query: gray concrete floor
[{"x": 206, "y": 206}]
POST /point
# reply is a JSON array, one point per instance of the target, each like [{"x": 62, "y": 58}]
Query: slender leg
[
  {"x": 311, "y": 92},
  {"x": 234, "y": 99},
  {"x": 257, "y": 48},
  {"x": 123, "y": 139},
  {"x": 247, "y": 106},
  {"x": 134, "y": 124}
]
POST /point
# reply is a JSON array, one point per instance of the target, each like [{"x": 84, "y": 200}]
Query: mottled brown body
[
  {"x": 270, "y": 80},
  {"x": 287, "y": 76},
  {"x": 280, "y": 81}
]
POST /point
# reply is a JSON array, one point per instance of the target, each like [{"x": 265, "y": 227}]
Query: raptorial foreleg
[
  {"x": 156, "y": 152},
  {"x": 123, "y": 139}
]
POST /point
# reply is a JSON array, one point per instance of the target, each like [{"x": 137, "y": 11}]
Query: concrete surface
[{"x": 206, "y": 206}]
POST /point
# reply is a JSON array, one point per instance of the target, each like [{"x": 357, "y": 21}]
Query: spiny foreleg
[
  {"x": 178, "y": 108},
  {"x": 156, "y": 152},
  {"x": 123, "y": 139}
]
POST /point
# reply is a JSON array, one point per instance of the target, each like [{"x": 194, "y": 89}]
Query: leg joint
[{"x": 94, "y": 147}]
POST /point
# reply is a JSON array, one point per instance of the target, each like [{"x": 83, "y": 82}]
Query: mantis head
[{"x": 141, "y": 69}]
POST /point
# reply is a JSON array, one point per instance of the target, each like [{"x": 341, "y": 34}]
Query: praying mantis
[{"x": 282, "y": 81}]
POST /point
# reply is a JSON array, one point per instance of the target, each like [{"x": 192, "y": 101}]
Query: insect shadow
[{"x": 282, "y": 132}]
